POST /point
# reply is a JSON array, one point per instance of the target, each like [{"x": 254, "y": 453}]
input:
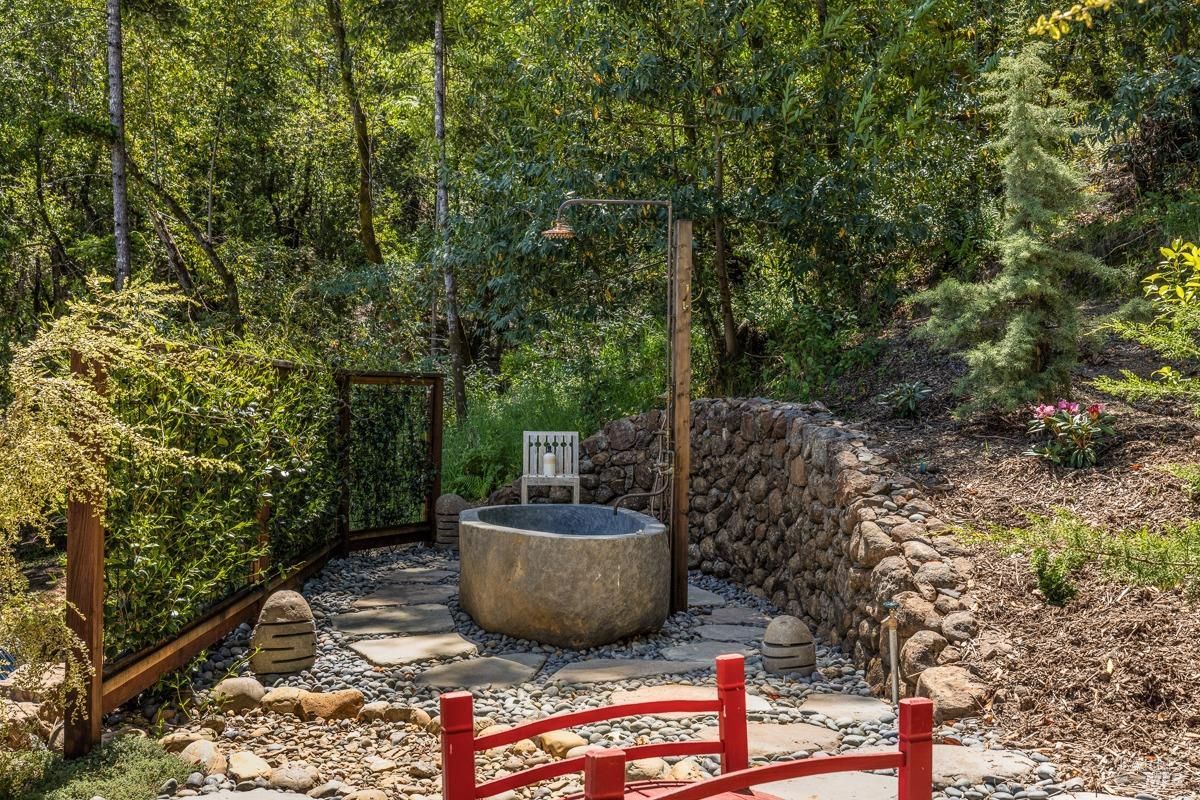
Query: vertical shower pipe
[{"x": 679, "y": 263}]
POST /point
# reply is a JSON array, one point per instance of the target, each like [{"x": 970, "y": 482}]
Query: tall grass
[{"x": 567, "y": 381}]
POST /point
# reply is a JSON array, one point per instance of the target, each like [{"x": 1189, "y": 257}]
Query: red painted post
[
  {"x": 916, "y": 743},
  {"x": 458, "y": 746},
  {"x": 604, "y": 775},
  {"x": 731, "y": 691}
]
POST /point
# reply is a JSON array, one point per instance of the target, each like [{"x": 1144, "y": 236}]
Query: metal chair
[{"x": 565, "y": 447}]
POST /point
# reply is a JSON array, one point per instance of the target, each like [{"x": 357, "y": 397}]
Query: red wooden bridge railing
[{"x": 459, "y": 743}]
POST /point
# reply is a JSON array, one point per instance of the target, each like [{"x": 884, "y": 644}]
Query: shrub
[
  {"x": 904, "y": 399},
  {"x": 1074, "y": 434},
  {"x": 129, "y": 768},
  {"x": 1018, "y": 331}
]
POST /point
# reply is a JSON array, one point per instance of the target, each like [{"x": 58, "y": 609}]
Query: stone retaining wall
[{"x": 794, "y": 505}]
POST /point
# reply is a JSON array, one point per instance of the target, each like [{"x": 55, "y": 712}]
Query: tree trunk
[
  {"x": 728, "y": 326},
  {"x": 362, "y": 141},
  {"x": 453, "y": 328},
  {"x": 233, "y": 303},
  {"x": 116, "y": 119}
]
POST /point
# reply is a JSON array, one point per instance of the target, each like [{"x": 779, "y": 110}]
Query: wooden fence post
[
  {"x": 436, "y": 400},
  {"x": 85, "y": 608},
  {"x": 343, "y": 463},
  {"x": 458, "y": 746},
  {"x": 916, "y": 743},
  {"x": 731, "y": 691},
  {"x": 681, "y": 407},
  {"x": 604, "y": 775}
]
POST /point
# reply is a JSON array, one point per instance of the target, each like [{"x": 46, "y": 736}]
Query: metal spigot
[{"x": 893, "y": 626}]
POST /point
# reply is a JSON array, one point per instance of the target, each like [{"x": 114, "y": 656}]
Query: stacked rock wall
[{"x": 797, "y": 507}]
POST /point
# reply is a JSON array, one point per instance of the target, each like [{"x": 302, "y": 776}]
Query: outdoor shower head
[{"x": 561, "y": 230}]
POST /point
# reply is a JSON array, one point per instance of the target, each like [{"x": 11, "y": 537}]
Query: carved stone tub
[{"x": 573, "y": 576}]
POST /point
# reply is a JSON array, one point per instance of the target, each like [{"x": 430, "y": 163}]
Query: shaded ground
[
  {"x": 1110, "y": 684},
  {"x": 976, "y": 471}
]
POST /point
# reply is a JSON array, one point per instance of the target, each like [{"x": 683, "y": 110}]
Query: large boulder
[
  {"x": 283, "y": 700},
  {"x": 557, "y": 743},
  {"x": 920, "y": 653},
  {"x": 285, "y": 639},
  {"x": 954, "y": 692},
  {"x": 344, "y": 704},
  {"x": 205, "y": 754},
  {"x": 238, "y": 694},
  {"x": 245, "y": 766}
]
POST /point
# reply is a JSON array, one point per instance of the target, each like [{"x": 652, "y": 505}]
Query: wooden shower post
[{"x": 681, "y": 406}]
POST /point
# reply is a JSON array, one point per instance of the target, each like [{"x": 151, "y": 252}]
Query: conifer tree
[{"x": 1019, "y": 329}]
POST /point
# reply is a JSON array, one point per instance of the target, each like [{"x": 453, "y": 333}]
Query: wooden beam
[
  {"x": 681, "y": 407},
  {"x": 85, "y": 608},
  {"x": 436, "y": 402}
]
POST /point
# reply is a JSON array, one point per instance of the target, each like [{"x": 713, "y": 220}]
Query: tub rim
[{"x": 650, "y": 526}]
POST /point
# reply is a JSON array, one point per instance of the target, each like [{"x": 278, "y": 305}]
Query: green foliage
[
  {"x": 1019, "y": 329},
  {"x": 1174, "y": 332},
  {"x": 1072, "y": 435},
  {"x": 1053, "y": 574},
  {"x": 1189, "y": 474},
  {"x": 389, "y": 455},
  {"x": 128, "y": 768},
  {"x": 1062, "y": 544},
  {"x": 905, "y": 398},
  {"x": 565, "y": 382}
]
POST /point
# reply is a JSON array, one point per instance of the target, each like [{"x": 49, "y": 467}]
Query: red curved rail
[
  {"x": 554, "y": 769},
  {"x": 573, "y": 719},
  {"x": 782, "y": 771}
]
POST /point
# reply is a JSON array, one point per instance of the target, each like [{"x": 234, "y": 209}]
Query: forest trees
[{"x": 1020, "y": 328}]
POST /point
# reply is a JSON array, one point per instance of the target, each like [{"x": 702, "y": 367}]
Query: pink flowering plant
[{"x": 1071, "y": 434}]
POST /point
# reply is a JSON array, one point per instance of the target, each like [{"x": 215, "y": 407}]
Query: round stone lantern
[{"x": 788, "y": 647}]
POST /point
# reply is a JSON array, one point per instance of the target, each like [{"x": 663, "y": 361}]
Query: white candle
[{"x": 549, "y": 465}]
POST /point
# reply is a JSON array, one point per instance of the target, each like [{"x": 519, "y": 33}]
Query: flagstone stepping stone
[
  {"x": 730, "y": 633},
  {"x": 505, "y": 670},
  {"x": 398, "y": 650},
  {"x": 424, "y": 618},
  {"x": 951, "y": 762},
  {"x": 406, "y": 595},
  {"x": 419, "y": 575},
  {"x": 849, "y": 706},
  {"x": 767, "y": 739},
  {"x": 680, "y": 691},
  {"x": 600, "y": 670},
  {"x": 737, "y": 615},
  {"x": 701, "y": 651},
  {"x": 703, "y": 597},
  {"x": 840, "y": 785}
]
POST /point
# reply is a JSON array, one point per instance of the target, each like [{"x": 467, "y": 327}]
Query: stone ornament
[
  {"x": 447, "y": 508},
  {"x": 285, "y": 639},
  {"x": 788, "y": 647}
]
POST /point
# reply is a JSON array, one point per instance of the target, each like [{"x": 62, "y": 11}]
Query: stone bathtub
[{"x": 573, "y": 576}]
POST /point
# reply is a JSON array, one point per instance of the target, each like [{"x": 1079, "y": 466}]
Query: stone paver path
[
  {"x": 680, "y": 691},
  {"x": 731, "y": 633},
  {"x": 608, "y": 670},
  {"x": 389, "y": 626},
  {"x": 839, "y": 786},
  {"x": 851, "y": 707},
  {"x": 702, "y": 651},
  {"x": 506, "y": 670},
  {"x": 399, "y": 650},
  {"x": 773, "y": 739},
  {"x": 403, "y": 594},
  {"x": 414, "y": 619}
]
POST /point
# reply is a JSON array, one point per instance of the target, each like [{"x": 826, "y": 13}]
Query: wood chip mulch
[{"x": 1107, "y": 686}]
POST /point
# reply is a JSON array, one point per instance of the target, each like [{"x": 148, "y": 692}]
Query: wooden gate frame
[
  {"x": 110, "y": 685},
  {"x": 423, "y": 531}
]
